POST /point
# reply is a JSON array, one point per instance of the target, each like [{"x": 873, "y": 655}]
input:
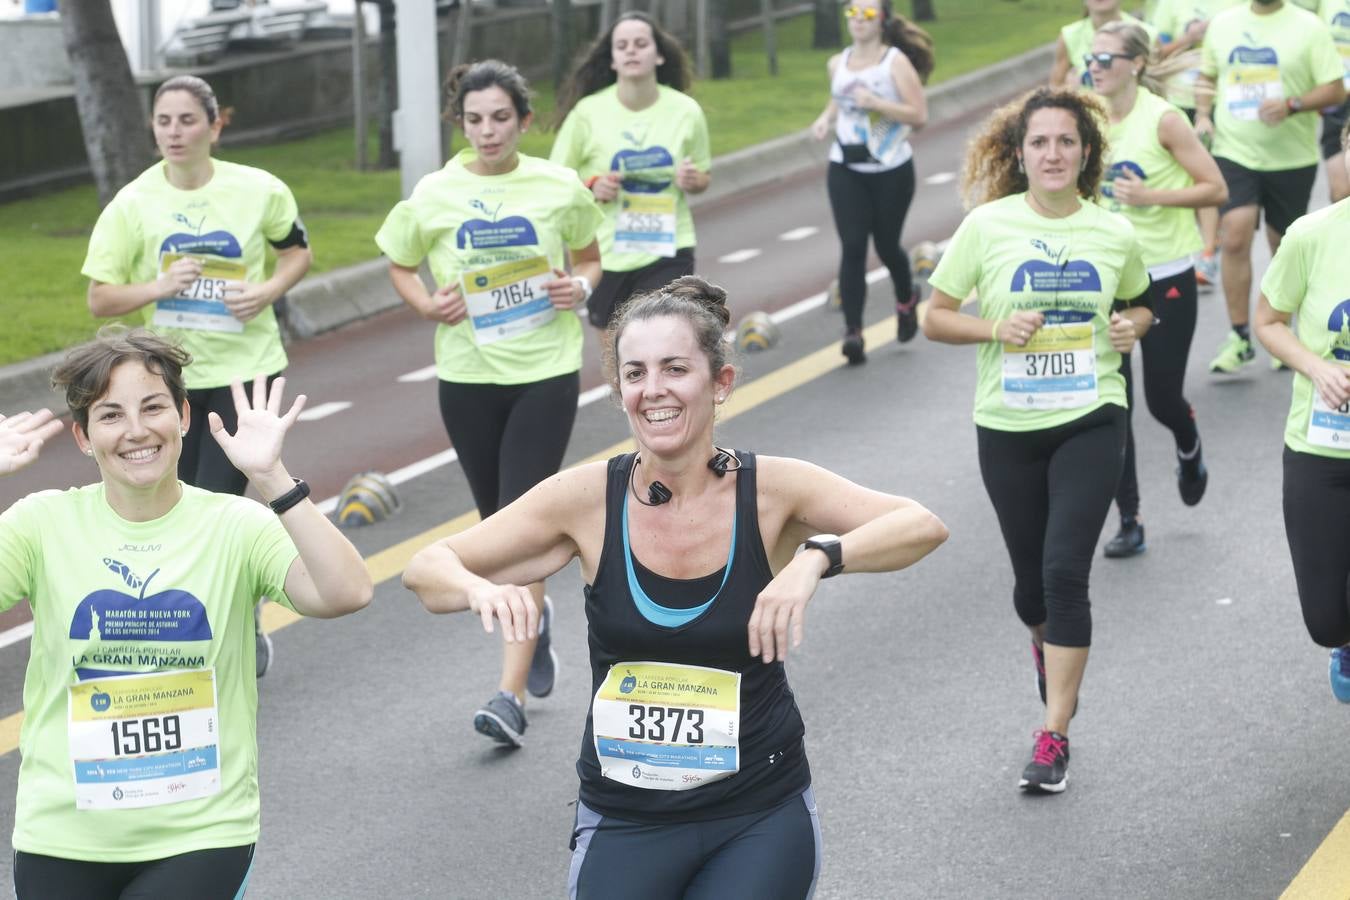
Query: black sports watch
[{"x": 829, "y": 545}]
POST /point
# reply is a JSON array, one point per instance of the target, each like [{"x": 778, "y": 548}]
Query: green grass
[{"x": 44, "y": 295}]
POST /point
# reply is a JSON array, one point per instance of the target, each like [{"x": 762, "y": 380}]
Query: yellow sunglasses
[{"x": 854, "y": 12}]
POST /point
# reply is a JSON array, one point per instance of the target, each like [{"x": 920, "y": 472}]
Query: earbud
[
  {"x": 720, "y": 463},
  {"x": 658, "y": 493}
]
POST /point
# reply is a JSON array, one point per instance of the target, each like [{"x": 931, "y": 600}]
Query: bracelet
[
  {"x": 586, "y": 289},
  {"x": 590, "y": 182},
  {"x": 993, "y": 333},
  {"x": 290, "y": 498}
]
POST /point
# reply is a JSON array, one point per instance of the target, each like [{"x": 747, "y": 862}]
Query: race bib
[
  {"x": 667, "y": 727},
  {"x": 1328, "y": 426},
  {"x": 1248, "y": 86},
  {"x": 1057, "y": 369},
  {"x": 646, "y": 224},
  {"x": 508, "y": 299},
  {"x": 201, "y": 306},
  {"x": 144, "y": 740}
]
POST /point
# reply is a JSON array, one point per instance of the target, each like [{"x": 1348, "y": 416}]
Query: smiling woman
[
  {"x": 139, "y": 771},
  {"x": 694, "y": 777}
]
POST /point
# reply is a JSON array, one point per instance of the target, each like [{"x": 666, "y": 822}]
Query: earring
[
  {"x": 89, "y": 451},
  {"x": 182, "y": 432},
  {"x": 1020, "y": 167}
]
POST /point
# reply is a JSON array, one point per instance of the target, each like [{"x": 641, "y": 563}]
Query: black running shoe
[
  {"x": 544, "y": 664},
  {"x": 502, "y": 718},
  {"x": 1048, "y": 771},
  {"x": 1192, "y": 478},
  {"x": 907, "y": 320},
  {"x": 1129, "y": 541},
  {"x": 852, "y": 348}
]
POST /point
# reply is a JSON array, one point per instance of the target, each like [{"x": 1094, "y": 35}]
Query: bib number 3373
[
  {"x": 1057, "y": 369},
  {"x": 144, "y": 740},
  {"x": 667, "y": 727}
]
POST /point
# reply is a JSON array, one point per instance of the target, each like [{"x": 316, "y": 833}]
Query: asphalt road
[{"x": 1207, "y": 755}]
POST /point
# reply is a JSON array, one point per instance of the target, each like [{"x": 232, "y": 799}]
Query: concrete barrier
[{"x": 324, "y": 302}]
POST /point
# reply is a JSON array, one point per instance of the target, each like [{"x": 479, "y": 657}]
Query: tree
[
  {"x": 825, "y": 34},
  {"x": 719, "y": 40},
  {"x": 561, "y": 39},
  {"x": 112, "y": 117},
  {"x": 923, "y": 11},
  {"x": 388, "y": 93}
]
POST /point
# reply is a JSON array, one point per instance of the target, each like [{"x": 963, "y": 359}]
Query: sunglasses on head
[
  {"x": 1103, "y": 59},
  {"x": 866, "y": 12}
]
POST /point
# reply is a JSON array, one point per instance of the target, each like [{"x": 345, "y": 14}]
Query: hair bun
[{"x": 708, "y": 295}]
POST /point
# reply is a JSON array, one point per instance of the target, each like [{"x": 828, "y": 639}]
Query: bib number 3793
[
  {"x": 667, "y": 727},
  {"x": 201, "y": 305},
  {"x": 144, "y": 740}
]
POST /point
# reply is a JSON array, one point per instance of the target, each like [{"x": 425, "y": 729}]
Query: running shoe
[
  {"x": 1340, "y": 673},
  {"x": 262, "y": 641},
  {"x": 1129, "y": 541},
  {"x": 502, "y": 718},
  {"x": 852, "y": 348},
  {"x": 1207, "y": 271},
  {"x": 1038, "y": 657},
  {"x": 1235, "y": 353},
  {"x": 1048, "y": 771},
  {"x": 544, "y": 665},
  {"x": 907, "y": 319},
  {"x": 1192, "y": 477}
]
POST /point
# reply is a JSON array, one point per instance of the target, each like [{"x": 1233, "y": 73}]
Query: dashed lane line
[
  {"x": 424, "y": 374},
  {"x": 799, "y": 234},
  {"x": 324, "y": 410},
  {"x": 740, "y": 256}
]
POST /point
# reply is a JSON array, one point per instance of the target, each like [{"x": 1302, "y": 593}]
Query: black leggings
[
  {"x": 509, "y": 437},
  {"x": 870, "y": 204},
  {"x": 219, "y": 874},
  {"x": 1165, "y": 348},
  {"x": 1317, "y": 524},
  {"x": 203, "y": 464},
  {"x": 769, "y": 855},
  {"x": 1051, "y": 490}
]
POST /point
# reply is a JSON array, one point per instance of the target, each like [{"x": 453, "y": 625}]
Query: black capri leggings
[
  {"x": 203, "y": 464},
  {"x": 1317, "y": 525},
  {"x": 870, "y": 204},
  {"x": 509, "y": 437},
  {"x": 769, "y": 855},
  {"x": 219, "y": 874},
  {"x": 1051, "y": 490},
  {"x": 1165, "y": 348}
]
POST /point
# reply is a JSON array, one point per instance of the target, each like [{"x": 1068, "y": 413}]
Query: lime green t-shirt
[
  {"x": 498, "y": 237},
  {"x": 1255, "y": 58},
  {"x": 1071, "y": 269},
  {"x": 1078, "y": 36},
  {"x": 103, "y": 767},
  {"x": 1310, "y": 277},
  {"x": 1166, "y": 233},
  {"x": 1336, "y": 13},
  {"x": 602, "y": 135},
  {"x": 227, "y": 222},
  {"x": 1172, "y": 19}
]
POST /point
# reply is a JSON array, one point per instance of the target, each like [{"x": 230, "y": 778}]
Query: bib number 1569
[
  {"x": 131, "y": 737},
  {"x": 663, "y": 723}
]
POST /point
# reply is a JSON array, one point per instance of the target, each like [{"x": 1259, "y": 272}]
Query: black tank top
[{"x": 773, "y": 764}]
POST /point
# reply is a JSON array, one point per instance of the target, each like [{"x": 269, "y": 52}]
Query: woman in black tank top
[{"x": 694, "y": 780}]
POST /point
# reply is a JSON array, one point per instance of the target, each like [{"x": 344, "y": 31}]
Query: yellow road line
[
  {"x": 1326, "y": 874},
  {"x": 390, "y": 562}
]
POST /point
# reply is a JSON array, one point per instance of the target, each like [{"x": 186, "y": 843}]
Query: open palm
[
  {"x": 255, "y": 446},
  {"x": 22, "y": 437}
]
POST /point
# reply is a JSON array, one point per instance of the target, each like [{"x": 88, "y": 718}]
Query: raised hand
[
  {"x": 22, "y": 436},
  {"x": 255, "y": 446}
]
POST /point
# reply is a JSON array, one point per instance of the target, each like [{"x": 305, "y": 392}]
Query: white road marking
[
  {"x": 16, "y": 634},
  {"x": 940, "y": 178},
  {"x": 420, "y": 375},
  {"x": 740, "y": 256},
  {"x": 324, "y": 410},
  {"x": 799, "y": 234},
  {"x": 1224, "y": 601}
]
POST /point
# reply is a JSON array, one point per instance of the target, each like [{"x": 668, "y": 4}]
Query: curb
[{"x": 324, "y": 302}]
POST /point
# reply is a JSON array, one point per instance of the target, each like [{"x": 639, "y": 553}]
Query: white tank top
[{"x": 886, "y": 140}]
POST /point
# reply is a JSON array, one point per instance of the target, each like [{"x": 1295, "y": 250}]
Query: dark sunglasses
[{"x": 1103, "y": 59}]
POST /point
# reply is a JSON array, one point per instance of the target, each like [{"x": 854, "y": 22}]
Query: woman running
[
  {"x": 1063, "y": 293},
  {"x": 640, "y": 143},
  {"x": 497, "y": 228},
  {"x": 139, "y": 775},
  {"x": 1070, "y": 69},
  {"x": 1158, "y": 173},
  {"x": 694, "y": 779},
  {"x": 186, "y": 245},
  {"x": 876, "y": 99},
  {"x": 1308, "y": 278}
]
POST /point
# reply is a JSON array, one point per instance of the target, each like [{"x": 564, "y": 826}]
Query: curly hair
[
  {"x": 596, "y": 69},
  {"x": 993, "y": 170},
  {"x": 702, "y": 305}
]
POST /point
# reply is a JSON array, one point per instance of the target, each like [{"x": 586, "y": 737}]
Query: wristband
[
  {"x": 1294, "y": 104},
  {"x": 290, "y": 498},
  {"x": 585, "y": 284},
  {"x": 590, "y": 182}
]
